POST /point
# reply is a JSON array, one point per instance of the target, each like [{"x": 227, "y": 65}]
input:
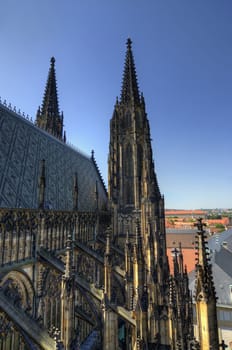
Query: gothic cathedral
[{"x": 83, "y": 267}]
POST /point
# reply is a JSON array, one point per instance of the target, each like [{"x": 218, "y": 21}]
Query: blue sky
[{"x": 183, "y": 57}]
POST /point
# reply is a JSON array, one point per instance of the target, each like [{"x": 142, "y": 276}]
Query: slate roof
[
  {"x": 22, "y": 147},
  {"x": 216, "y": 241}
]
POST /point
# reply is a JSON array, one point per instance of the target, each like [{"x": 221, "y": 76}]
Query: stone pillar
[
  {"x": 110, "y": 322},
  {"x": 42, "y": 185},
  {"x": 67, "y": 299}
]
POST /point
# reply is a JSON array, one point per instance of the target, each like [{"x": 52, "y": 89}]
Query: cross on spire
[
  {"x": 223, "y": 346},
  {"x": 175, "y": 251},
  {"x": 200, "y": 225}
]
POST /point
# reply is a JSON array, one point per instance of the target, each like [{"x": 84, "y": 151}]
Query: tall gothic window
[
  {"x": 140, "y": 167},
  {"x": 129, "y": 175}
]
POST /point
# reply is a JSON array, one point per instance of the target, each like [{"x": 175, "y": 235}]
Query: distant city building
[
  {"x": 185, "y": 219},
  {"x": 185, "y": 213}
]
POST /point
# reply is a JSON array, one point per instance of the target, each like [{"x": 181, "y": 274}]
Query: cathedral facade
[{"x": 83, "y": 267}]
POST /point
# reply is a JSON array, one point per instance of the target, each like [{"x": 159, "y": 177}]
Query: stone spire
[
  {"x": 69, "y": 258},
  {"x": 48, "y": 116},
  {"x": 107, "y": 269},
  {"x": 109, "y": 317},
  {"x": 138, "y": 209},
  {"x": 68, "y": 297},
  {"x": 130, "y": 90},
  {"x": 205, "y": 295},
  {"x": 42, "y": 185},
  {"x": 50, "y": 102},
  {"x": 204, "y": 277},
  {"x": 75, "y": 192},
  {"x": 131, "y": 167}
]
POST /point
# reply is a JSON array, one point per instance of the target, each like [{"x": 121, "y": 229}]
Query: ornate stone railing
[
  {"x": 23, "y": 232},
  {"x": 11, "y": 108}
]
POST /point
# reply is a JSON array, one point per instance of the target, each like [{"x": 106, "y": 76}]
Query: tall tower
[
  {"x": 132, "y": 179},
  {"x": 138, "y": 210},
  {"x": 48, "y": 116},
  {"x": 205, "y": 295}
]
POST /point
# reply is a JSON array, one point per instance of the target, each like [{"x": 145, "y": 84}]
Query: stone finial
[
  {"x": 129, "y": 43},
  {"x": 69, "y": 257},
  {"x": 52, "y": 60},
  {"x": 75, "y": 192},
  {"x": 42, "y": 185},
  {"x": 96, "y": 194},
  {"x": 107, "y": 244}
]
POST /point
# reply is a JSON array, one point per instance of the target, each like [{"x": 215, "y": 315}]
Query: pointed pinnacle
[
  {"x": 128, "y": 43},
  {"x": 130, "y": 91},
  {"x": 50, "y": 101},
  {"x": 107, "y": 252},
  {"x": 69, "y": 257},
  {"x": 52, "y": 61}
]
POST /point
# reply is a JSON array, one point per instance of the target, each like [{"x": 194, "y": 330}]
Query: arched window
[
  {"x": 128, "y": 120},
  {"x": 140, "y": 167},
  {"x": 129, "y": 175}
]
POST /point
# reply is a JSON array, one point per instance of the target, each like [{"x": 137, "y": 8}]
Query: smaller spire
[
  {"x": 175, "y": 262},
  {"x": 75, "y": 192},
  {"x": 143, "y": 101},
  {"x": 68, "y": 295},
  {"x": 172, "y": 292},
  {"x": 181, "y": 260},
  {"x": 48, "y": 116},
  {"x": 134, "y": 255},
  {"x": 50, "y": 102},
  {"x": 107, "y": 252},
  {"x": 127, "y": 255},
  {"x": 38, "y": 112},
  {"x": 69, "y": 258},
  {"x": 205, "y": 294},
  {"x": 204, "y": 276},
  {"x": 107, "y": 269},
  {"x": 127, "y": 237},
  {"x": 96, "y": 195},
  {"x": 42, "y": 185}
]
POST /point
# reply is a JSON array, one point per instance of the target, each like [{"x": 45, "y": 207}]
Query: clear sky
[{"x": 183, "y": 57}]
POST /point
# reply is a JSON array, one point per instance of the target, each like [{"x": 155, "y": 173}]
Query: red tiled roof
[{"x": 184, "y": 212}]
